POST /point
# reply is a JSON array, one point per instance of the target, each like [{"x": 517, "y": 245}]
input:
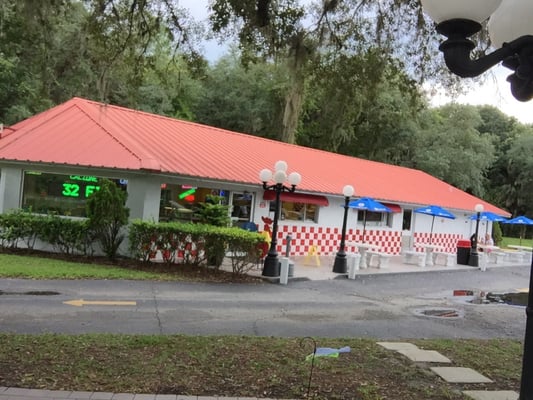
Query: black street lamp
[
  {"x": 473, "y": 260},
  {"x": 340, "y": 266},
  {"x": 510, "y": 31},
  {"x": 271, "y": 266}
]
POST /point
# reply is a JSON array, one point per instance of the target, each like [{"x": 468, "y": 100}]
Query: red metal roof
[{"x": 91, "y": 134}]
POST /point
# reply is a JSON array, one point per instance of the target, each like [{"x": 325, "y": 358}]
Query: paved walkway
[
  {"x": 321, "y": 268},
  {"x": 34, "y": 394}
]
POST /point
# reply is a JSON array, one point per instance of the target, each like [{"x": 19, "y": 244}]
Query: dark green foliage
[
  {"x": 212, "y": 212},
  {"x": 497, "y": 234},
  {"x": 108, "y": 215}
]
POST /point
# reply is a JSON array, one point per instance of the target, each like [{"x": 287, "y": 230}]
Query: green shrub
[
  {"x": 66, "y": 235},
  {"x": 497, "y": 234},
  {"x": 108, "y": 215},
  {"x": 186, "y": 243},
  {"x": 18, "y": 226}
]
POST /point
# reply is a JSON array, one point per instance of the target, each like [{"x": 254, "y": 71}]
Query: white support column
[
  {"x": 10, "y": 189},
  {"x": 144, "y": 195}
]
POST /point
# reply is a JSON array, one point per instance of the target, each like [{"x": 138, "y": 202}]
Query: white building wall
[
  {"x": 144, "y": 194},
  {"x": 10, "y": 189},
  {"x": 144, "y": 202}
]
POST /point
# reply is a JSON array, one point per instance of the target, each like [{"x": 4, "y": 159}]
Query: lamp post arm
[
  {"x": 457, "y": 49},
  {"x": 458, "y": 60}
]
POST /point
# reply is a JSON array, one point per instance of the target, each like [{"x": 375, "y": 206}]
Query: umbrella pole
[
  {"x": 431, "y": 232},
  {"x": 364, "y": 225}
]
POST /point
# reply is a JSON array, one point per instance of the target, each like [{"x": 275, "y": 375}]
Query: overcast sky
[{"x": 495, "y": 91}]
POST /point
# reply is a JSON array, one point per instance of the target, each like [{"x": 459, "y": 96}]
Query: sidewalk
[
  {"x": 321, "y": 268},
  {"x": 34, "y": 394}
]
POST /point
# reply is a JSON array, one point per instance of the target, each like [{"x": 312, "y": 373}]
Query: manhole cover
[{"x": 450, "y": 313}]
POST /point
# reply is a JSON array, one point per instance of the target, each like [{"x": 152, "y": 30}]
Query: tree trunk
[
  {"x": 291, "y": 113},
  {"x": 296, "y": 62}
]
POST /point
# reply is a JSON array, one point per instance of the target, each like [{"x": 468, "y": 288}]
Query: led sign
[
  {"x": 187, "y": 193},
  {"x": 73, "y": 190}
]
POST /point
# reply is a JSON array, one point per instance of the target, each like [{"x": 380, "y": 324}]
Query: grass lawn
[
  {"x": 247, "y": 366},
  {"x": 506, "y": 241},
  {"x": 230, "y": 365},
  {"x": 46, "y": 266}
]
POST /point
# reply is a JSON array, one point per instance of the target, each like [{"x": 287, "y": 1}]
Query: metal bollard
[
  {"x": 288, "y": 247},
  {"x": 353, "y": 264},
  {"x": 284, "y": 271}
]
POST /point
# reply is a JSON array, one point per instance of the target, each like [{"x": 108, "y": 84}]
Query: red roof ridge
[
  {"x": 146, "y": 162},
  {"x": 234, "y": 133}
]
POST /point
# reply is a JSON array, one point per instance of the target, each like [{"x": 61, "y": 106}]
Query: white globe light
[
  {"x": 280, "y": 176},
  {"x": 295, "y": 178},
  {"x": 475, "y": 10},
  {"x": 265, "y": 175},
  {"x": 348, "y": 191},
  {"x": 510, "y": 21},
  {"x": 280, "y": 166},
  {"x": 479, "y": 208}
]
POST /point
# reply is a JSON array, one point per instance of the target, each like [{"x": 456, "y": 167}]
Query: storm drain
[
  {"x": 449, "y": 313},
  {"x": 513, "y": 299},
  {"x": 32, "y": 293}
]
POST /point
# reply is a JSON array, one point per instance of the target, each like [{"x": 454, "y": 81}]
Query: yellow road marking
[{"x": 81, "y": 302}]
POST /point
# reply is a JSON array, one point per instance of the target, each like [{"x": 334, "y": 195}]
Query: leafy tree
[
  {"x": 370, "y": 118},
  {"x": 241, "y": 99},
  {"x": 450, "y": 147},
  {"x": 107, "y": 216},
  {"x": 288, "y": 33},
  {"x": 518, "y": 190}
]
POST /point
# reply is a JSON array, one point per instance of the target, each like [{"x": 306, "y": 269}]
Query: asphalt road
[{"x": 382, "y": 307}]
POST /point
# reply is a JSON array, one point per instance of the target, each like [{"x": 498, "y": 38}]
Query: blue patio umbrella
[
  {"x": 488, "y": 216},
  {"x": 368, "y": 204},
  {"x": 520, "y": 220},
  {"x": 434, "y": 211}
]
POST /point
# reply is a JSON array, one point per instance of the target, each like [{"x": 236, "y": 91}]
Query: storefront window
[
  {"x": 178, "y": 202},
  {"x": 241, "y": 208},
  {"x": 374, "y": 218},
  {"x": 45, "y": 193},
  {"x": 299, "y": 211}
]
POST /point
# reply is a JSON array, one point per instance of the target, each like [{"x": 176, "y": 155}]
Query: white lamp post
[
  {"x": 340, "y": 265},
  {"x": 511, "y": 32},
  {"x": 271, "y": 266}
]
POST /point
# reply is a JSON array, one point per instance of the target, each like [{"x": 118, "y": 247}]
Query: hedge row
[
  {"x": 173, "y": 242},
  {"x": 65, "y": 235},
  {"x": 195, "y": 244}
]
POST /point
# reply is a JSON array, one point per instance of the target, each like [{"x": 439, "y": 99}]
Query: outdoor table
[
  {"x": 488, "y": 247},
  {"x": 428, "y": 250},
  {"x": 362, "y": 248}
]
